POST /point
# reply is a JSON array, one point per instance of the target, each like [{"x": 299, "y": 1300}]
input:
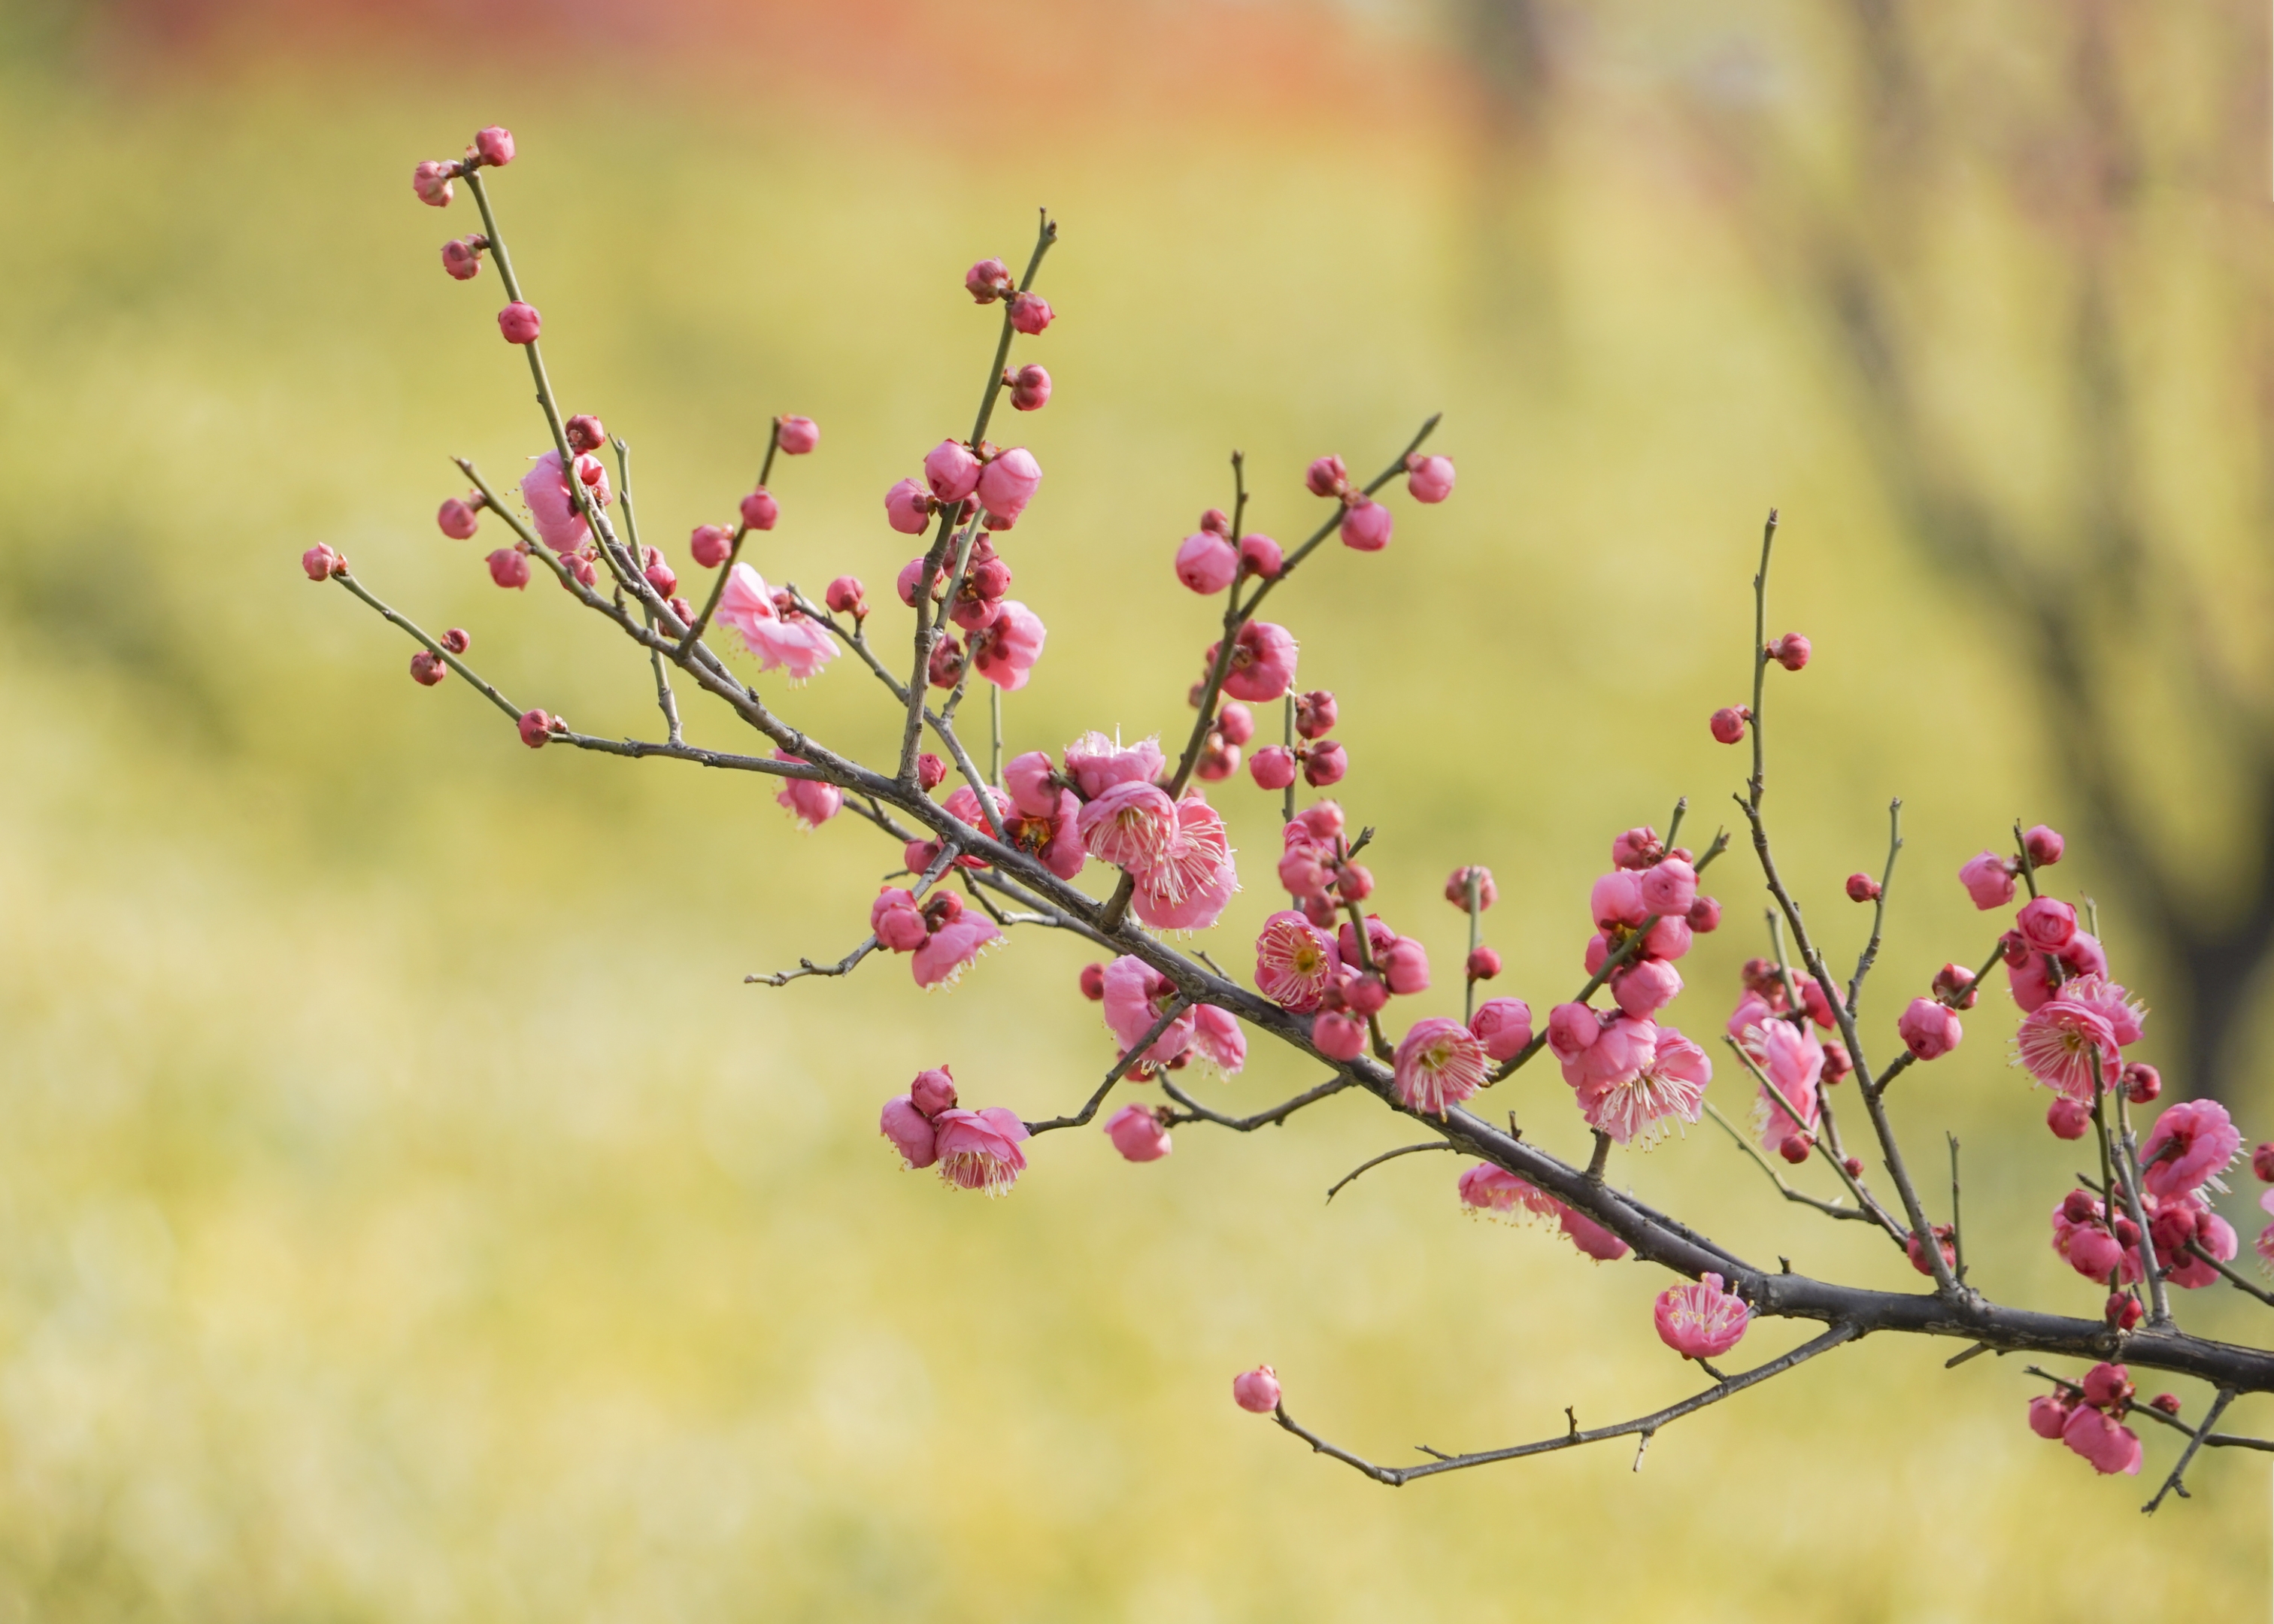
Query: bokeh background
[{"x": 406, "y": 1211}]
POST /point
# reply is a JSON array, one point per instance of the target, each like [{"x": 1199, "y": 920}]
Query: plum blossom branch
[
  {"x": 1194, "y": 1111},
  {"x": 666, "y": 700},
  {"x": 1830, "y": 1209},
  {"x": 1121, "y": 1069},
  {"x": 1371, "y": 1162},
  {"x": 1645, "y": 1426},
  {"x": 2173, "y": 1483}
]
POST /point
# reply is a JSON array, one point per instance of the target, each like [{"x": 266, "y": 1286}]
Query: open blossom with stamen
[
  {"x": 2191, "y": 1144},
  {"x": 1189, "y": 886},
  {"x": 1003, "y": 652},
  {"x": 1136, "y": 996},
  {"x": 2124, "y": 1014},
  {"x": 1499, "y": 1193},
  {"x": 1218, "y": 1041},
  {"x": 945, "y": 953},
  {"x": 1295, "y": 962},
  {"x": 1439, "y": 1065},
  {"x": 1622, "y": 1047},
  {"x": 1131, "y": 825},
  {"x": 1793, "y": 1059},
  {"x": 1670, "y": 1086},
  {"x": 1095, "y": 762},
  {"x": 2057, "y": 1043},
  {"x": 1700, "y": 1321},
  {"x": 791, "y": 641},
  {"x": 979, "y": 1150},
  {"x": 810, "y": 802}
]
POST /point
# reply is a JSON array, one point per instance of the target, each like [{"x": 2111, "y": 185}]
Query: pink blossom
[
  {"x": 1495, "y": 1191},
  {"x": 559, "y": 525},
  {"x": 1137, "y": 1133},
  {"x": 1752, "y": 1012},
  {"x": 1326, "y": 475},
  {"x": 1131, "y": 824},
  {"x": 1235, "y": 721},
  {"x": 1792, "y": 1060},
  {"x": 1669, "y": 939},
  {"x": 1405, "y": 967},
  {"x": 1988, "y": 880},
  {"x": 1260, "y": 555},
  {"x": 2189, "y": 1219},
  {"x": 1005, "y": 650},
  {"x": 1483, "y": 964},
  {"x": 2191, "y": 1144},
  {"x": 1700, "y": 1321},
  {"x": 1207, "y": 562},
  {"x": 1295, "y": 962},
  {"x": 2100, "y": 1439},
  {"x": 1030, "y": 388},
  {"x": 495, "y": 145},
  {"x": 1263, "y": 662},
  {"x": 520, "y": 323},
  {"x": 2108, "y": 1000},
  {"x": 810, "y": 802},
  {"x": 1030, "y": 313},
  {"x": 535, "y": 728},
  {"x": 1325, "y": 762},
  {"x": 1379, "y": 936},
  {"x": 1591, "y": 1237},
  {"x": 1614, "y": 1059},
  {"x": 1136, "y": 996},
  {"x": 988, "y": 281},
  {"x": 1728, "y": 722},
  {"x": 2047, "y": 923},
  {"x": 1668, "y": 888},
  {"x": 1616, "y": 900},
  {"x": 1643, "y": 988},
  {"x": 709, "y": 544},
  {"x": 910, "y": 1131},
  {"x": 1009, "y": 482},
  {"x": 933, "y": 1090},
  {"x": 2058, "y": 1042},
  {"x": 1666, "y": 1084},
  {"x": 908, "y": 507},
  {"x": 319, "y": 562},
  {"x": 1929, "y": 1030},
  {"x": 1028, "y": 779},
  {"x": 1367, "y": 526},
  {"x": 1256, "y": 1391},
  {"x": 1504, "y": 1025},
  {"x": 457, "y": 518},
  {"x": 1430, "y": 478},
  {"x": 1572, "y": 1028},
  {"x": 1095, "y": 763},
  {"x": 797, "y": 436},
  {"x": 942, "y": 958},
  {"x": 1189, "y": 888},
  {"x": 1343, "y": 1037},
  {"x": 1273, "y": 767},
  {"x": 1439, "y": 1063},
  {"x": 1217, "y": 1039},
  {"x": 979, "y": 1150},
  {"x": 950, "y": 471},
  {"x": 2049, "y": 1412},
  {"x": 2044, "y": 846},
  {"x": 759, "y": 509},
  {"x": 2068, "y": 1118},
  {"x": 432, "y": 181},
  {"x": 1051, "y": 836},
  {"x": 791, "y": 641}
]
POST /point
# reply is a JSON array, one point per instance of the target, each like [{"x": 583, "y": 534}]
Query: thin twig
[
  {"x": 1387, "y": 1155},
  {"x": 1136, "y": 1056},
  {"x": 2172, "y": 1483},
  {"x": 1197, "y": 1112}
]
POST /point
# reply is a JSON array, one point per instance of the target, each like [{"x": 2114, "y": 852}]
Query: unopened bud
[
  {"x": 1235, "y": 721},
  {"x": 2142, "y": 1082},
  {"x": 1484, "y": 964},
  {"x": 431, "y": 180},
  {"x": 659, "y": 573},
  {"x": 2044, "y": 846},
  {"x": 1862, "y": 888},
  {"x": 796, "y": 436},
  {"x": 931, "y": 772},
  {"x": 1854, "y": 1166},
  {"x": 455, "y": 640},
  {"x": 1215, "y": 521},
  {"x": 1704, "y": 915},
  {"x": 1030, "y": 388},
  {"x": 2261, "y": 1163},
  {"x": 2168, "y": 1403},
  {"x": 1272, "y": 767},
  {"x": 1093, "y": 982},
  {"x": 520, "y": 323},
  {"x": 536, "y": 727},
  {"x": 1795, "y": 1147},
  {"x": 319, "y": 561},
  {"x": 1030, "y": 313},
  {"x": 427, "y": 668},
  {"x": 1456, "y": 888},
  {"x": 1837, "y": 1065},
  {"x": 1316, "y": 713},
  {"x": 710, "y": 546},
  {"x": 1728, "y": 722},
  {"x": 844, "y": 596},
  {"x": 585, "y": 433},
  {"x": 1951, "y": 982},
  {"x": 1354, "y": 882},
  {"x": 509, "y": 568},
  {"x": 988, "y": 281},
  {"x": 1327, "y": 476},
  {"x": 760, "y": 510},
  {"x": 2123, "y": 1310},
  {"x": 495, "y": 146},
  {"x": 1790, "y": 651},
  {"x": 457, "y": 519},
  {"x": 1367, "y": 527},
  {"x": 1325, "y": 762},
  {"x": 462, "y": 257}
]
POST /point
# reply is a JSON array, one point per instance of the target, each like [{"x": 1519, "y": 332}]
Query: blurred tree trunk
[{"x": 2113, "y": 160}]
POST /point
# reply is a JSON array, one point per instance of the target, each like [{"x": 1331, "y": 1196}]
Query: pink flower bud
[
  {"x": 933, "y": 1091},
  {"x": 1428, "y": 479},
  {"x": 2068, "y": 1118},
  {"x": 1456, "y": 888},
  {"x": 495, "y": 145},
  {"x": 1572, "y": 1029},
  {"x": 1093, "y": 982},
  {"x": 1728, "y": 722},
  {"x": 796, "y": 436},
  {"x": 1953, "y": 985},
  {"x": 1794, "y": 1147},
  {"x": 2044, "y": 846},
  {"x": 462, "y": 257},
  {"x": 659, "y": 573},
  {"x": 1636, "y": 848},
  {"x": 1325, "y": 764},
  {"x": 1322, "y": 820},
  {"x": 1030, "y": 313},
  {"x": 457, "y": 519},
  {"x": 584, "y": 433},
  {"x": 908, "y": 507},
  {"x": 1367, "y": 527},
  {"x": 2168, "y": 1403},
  {"x": 1367, "y": 994},
  {"x": 319, "y": 561},
  {"x": 1261, "y": 556},
  {"x": 844, "y": 597},
  {"x": 1263, "y": 660},
  {"x": 509, "y": 568},
  {"x": 1235, "y": 721},
  {"x": 946, "y": 667},
  {"x": 455, "y": 640},
  {"x": 1405, "y": 966},
  {"x": 519, "y": 323},
  {"x": 1207, "y": 562},
  {"x": 1916, "y": 1251},
  {"x": 1704, "y": 915},
  {"x": 2108, "y": 1386},
  {"x": 1988, "y": 880},
  {"x": 760, "y": 510},
  {"x": 1338, "y": 1036},
  {"x": 1504, "y": 1025},
  {"x": 1008, "y": 484},
  {"x": 988, "y": 281},
  {"x": 2047, "y": 923},
  {"x": 2261, "y": 1163},
  {"x": 427, "y": 668},
  {"x": 1836, "y": 1062},
  {"x": 910, "y": 1131},
  {"x": 931, "y": 772},
  {"x": 1138, "y": 1134},
  {"x": 1862, "y": 888},
  {"x": 1217, "y": 522},
  {"x": 2142, "y": 1083},
  {"x": 1256, "y": 1390},
  {"x": 1327, "y": 476},
  {"x": 1030, "y": 388},
  {"x": 950, "y": 470},
  {"x": 431, "y": 180},
  {"x": 1668, "y": 888},
  {"x": 1929, "y": 1030},
  {"x": 710, "y": 546},
  {"x": 536, "y": 728},
  {"x": 1273, "y": 767},
  {"x": 1790, "y": 651},
  {"x": 1484, "y": 964},
  {"x": 1316, "y": 713}
]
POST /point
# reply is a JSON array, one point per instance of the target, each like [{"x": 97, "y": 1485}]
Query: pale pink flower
[
  {"x": 1138, "y": 1134},
  {"x": 910, "y": 1131},
  {"x": 1027, "y": 779},
  {"x": 1700, "y": 1321},
  {"x": 811, "y": 802},
  {"x": 1504, "y": 1025},
  {"x": 1005, "y": 649},
  {"x": 1439, "y": 1064},
  {"x": 1136, "y": 996},
  {"x": 1616, "y": 899},
  {"x": 1643, "y": 988},
  {"x": 2100, "y": 1439},
  {"x": 1591, "y": 1237},
  {"x": 1188, "y": 888},
  {"x": 950, "y": 471},
  {"x": 1624, "y": 1047},
  {"x": 1295, "y": 962},
  {"x": 1500, "y": 1194},
  {"x": 1263, "y": 662},
  {"x": 1009, "y": 482},
  {"x": 2047, "y": 923},
  {"x": 1667, "y": 1087},
  {"x": 2191, "y": 1144},
  {"x": 963, "y": 806},
  {"x": 551, "y": 508},
  {"x": 1218, "y": 1041},
  {"x": 979, "y": 1150},
  {"x": 1668, "y": 888},
  {"x": 2106, "y": 998},
  {"x": 793, "y": 643},
  {"x": 1988, "y": 880},
  {"x": 1572, "y": 1028},
  {"x": 1338, "y": 1036},
  {"x": 1929, "y": 1030},
  {"x": 1256, "y": 1391},
  {"x": 1749, "y": 1020},
  {"x": 1131, "y": 825},
  {"x": 942, "y": 958},
  {"x": 1793, "y": 1060},
  {"x": 1095, "y": 762},
  {"x": 2057, "y": 1043}
]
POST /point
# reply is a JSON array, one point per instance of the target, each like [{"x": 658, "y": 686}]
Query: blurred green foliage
[{"x": 406, "y": 1213}]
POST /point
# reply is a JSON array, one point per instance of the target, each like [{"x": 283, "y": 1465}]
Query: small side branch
[
  {"x": 1388, "y": 1155},
  {"x": 806, "y": 966},
  {"x": 2235, "y": 1277},
  {"x": 1194, "y": 1111},
  {"x": 1645, "y": 1426},
  {"x": 1121, "y": 1068},
  {"x": 1830, "y": 1209},
  {"x": 2172, "y": 1483}
]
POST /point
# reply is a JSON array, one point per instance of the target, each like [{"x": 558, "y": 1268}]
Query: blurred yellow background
[{"x": 406, "y": 1211}]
